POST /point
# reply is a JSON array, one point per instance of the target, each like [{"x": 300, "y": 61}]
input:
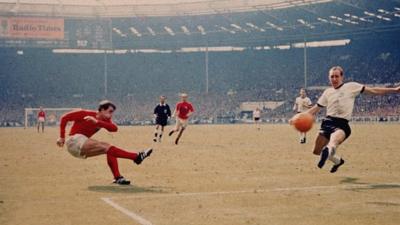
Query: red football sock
[
  {"x": 120, "y": 153},
  {"x": 113, "y": 164}
]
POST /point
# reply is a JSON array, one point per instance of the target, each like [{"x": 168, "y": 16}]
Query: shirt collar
[{"x": 339, "y": 86}]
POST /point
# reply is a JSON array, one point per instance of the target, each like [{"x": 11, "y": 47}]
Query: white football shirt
[
  {"x": 339, "y": 102},
  {"x": 301, "y": 104},
  {"x": 257, "y": 114}
]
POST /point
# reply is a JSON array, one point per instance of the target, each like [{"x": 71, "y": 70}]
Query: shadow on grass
[
  {"x": 383, "y": 203},
  {"x": 376, "y": 187},
  {"x": 367, "y": 186},
  {"x": 351, "y": 180},
  {"x": 113, "y": 188}
]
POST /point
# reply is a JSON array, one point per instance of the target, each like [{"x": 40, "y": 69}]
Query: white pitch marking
[
  {"x": 283, "y": 189},
  {"x": 132, "y": 215},
  {"x": 143, "y": 221}
]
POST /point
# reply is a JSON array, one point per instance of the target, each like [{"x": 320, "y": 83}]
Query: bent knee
[
  {"x": 317, "y": 151},
  {"x": 104, "y": 146}
]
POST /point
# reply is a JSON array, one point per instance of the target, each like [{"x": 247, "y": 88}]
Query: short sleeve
[
  {"x": 309, "y": 101},
  {"x": 355, "y": 88},
  {"x": 297, "y": 101}
]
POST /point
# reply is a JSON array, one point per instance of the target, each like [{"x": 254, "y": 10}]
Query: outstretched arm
[
  {"x": 314, "y": 110},
  {"x": 381, "y": 90},
  {"x": 71, "y": 116},
  {"x": 108, "y": 124}
]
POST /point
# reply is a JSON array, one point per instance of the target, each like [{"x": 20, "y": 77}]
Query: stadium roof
[
  {"x": 341, "y": 19},
  {"x": 140, "y": 8},
  {"x": 251, "y": 23}
]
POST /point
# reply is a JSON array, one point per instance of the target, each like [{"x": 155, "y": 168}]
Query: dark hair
[{"x": 104, "y": 105}]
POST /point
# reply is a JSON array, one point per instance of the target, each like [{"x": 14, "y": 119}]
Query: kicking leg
[
  {"x": 337, "y": 138},
  {"x": 93, "y": 148},
  {"x": 136, "y": 157},
  {"x": 328, "y": 152},
  {"x": 320, "y": 143},
  {"x": 321, "y": 150}
]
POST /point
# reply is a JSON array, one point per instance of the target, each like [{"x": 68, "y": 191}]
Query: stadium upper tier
[
  {"x": 275, "y": 23},
  {"x": 128, "y": 8},
  {"x": 35, "y": 77}
]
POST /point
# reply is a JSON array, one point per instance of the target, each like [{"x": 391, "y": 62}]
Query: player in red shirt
[
  {"x": 41, "y": 118},
  {"x": 183, "y": 111},
  {"x": 80, "y": 144}
]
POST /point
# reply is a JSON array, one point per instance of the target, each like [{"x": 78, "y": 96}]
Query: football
[{"x": 303, "y": 122}]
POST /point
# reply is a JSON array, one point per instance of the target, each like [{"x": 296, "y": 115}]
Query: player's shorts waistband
[{"x": 338, "y": 119}]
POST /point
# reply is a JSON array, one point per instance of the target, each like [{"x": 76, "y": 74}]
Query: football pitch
[{"x": 217, "y": 175}]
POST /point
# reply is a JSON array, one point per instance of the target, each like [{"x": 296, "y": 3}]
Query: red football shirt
[
  {"x": 41, "y": 114},
  {"x": 184, "y": 108},
  {"x": 81, "y": 126}
]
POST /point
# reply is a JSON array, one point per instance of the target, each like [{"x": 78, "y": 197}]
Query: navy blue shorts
[
  {"x": 161, "y": 121},
  {"x": 331, "y": 124}
]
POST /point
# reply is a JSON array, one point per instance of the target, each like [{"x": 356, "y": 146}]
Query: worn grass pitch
[{"x": 218, "y": 175}]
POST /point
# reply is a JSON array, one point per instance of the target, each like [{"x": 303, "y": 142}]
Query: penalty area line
[
  {"x": 143, "y": 221},
  {"x": 278, "y": 189},
  {"x": 125, "y": 211}
]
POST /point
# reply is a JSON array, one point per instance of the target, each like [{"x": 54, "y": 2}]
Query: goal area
[{"x": 52, "y": 116}]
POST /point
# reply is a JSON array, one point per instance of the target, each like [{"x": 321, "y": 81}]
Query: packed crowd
[{"x": 41, "y": 78}]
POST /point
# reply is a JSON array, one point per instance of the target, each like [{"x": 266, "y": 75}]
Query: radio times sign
[{"x": 31, "y": 28}]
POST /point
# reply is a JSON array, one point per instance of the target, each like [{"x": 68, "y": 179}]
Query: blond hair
[{"x": 337, "y": 68}]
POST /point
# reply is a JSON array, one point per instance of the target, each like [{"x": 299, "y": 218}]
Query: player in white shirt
[
  {"x": 302, "y": 104},
  {"x": 256, "y": 117},
  {"x": 339, "y": 103}
]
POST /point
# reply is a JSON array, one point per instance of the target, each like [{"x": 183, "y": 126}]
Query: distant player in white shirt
[
  {"x": 339, "y": 103},
  {"x": 256, "y": 117},
  {"x": 302, "y": 104}
]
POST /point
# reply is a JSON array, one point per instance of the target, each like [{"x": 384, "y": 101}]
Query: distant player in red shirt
[
  {"x": 80, "y": 144},
  {"x": 41, "y": 118},
  {"x": 183, "y": 111}
]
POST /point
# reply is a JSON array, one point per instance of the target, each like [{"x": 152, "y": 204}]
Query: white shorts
[
  {"x": 41, "y": 119},
  {"x": 181, "y": 123},
  {"x": 74, "y": 145}
]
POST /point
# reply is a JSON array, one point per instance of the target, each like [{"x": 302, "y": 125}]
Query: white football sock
[{"x": 333, "y": 157}]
